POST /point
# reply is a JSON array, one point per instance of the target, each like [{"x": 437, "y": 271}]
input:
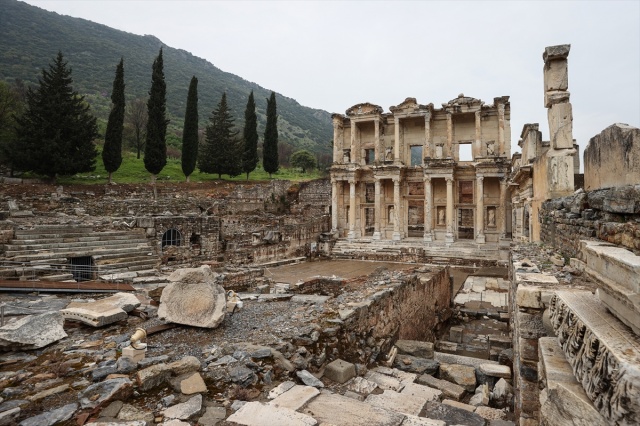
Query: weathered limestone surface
[
  {"x": 102, "y": 312},
  {"x": 603, "y": 353},
  {"x": 340, "y": 371},
  {"x": 32, "y": 332},
  {"x": 340, "y": 410},
  {"x": 618, "y": 271},
  {"x": 398, "y": 402},
  {"x": 415, "y": 348},
  {"x": 295, "y": 397},
  {"x": 563, "y": 401},
  {"x": 193, "y": 298},
  {"x": 612, "y": 158}
]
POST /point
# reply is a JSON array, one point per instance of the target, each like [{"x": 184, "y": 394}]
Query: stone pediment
[
  {"x": 365, "y": 108},
  {"x": 408, "y": 106},
  {"x": 463, "y": 100}
]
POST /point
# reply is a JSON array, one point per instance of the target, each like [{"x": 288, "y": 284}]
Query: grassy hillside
[{"x": 30, "y": 38}]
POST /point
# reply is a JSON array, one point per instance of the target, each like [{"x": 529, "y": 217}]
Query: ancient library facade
[{"x": 437, "y": 174}]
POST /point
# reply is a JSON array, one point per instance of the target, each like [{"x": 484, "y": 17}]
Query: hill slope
[{"x": 30, "y": 38}]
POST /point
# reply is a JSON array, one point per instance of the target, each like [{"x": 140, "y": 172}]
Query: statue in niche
[
  {"x": 491, "y": 220},
  {"x": 491, "y": 149},
  {"x": 388, "y": 153},
  {"x": 440, "y": 216},
  {"x": 438, "y": 151},
  {"x": 346, "y": 156},
  {"x": 392, "y": 215}
]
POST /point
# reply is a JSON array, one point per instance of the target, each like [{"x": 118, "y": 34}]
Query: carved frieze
[{"x": 603, "y": 353}]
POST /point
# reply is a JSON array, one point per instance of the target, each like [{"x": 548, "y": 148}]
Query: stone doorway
[
  {"x": 415, "y": 218},
  {"x": 369, "y": 220},
  {"x": 466, "y": 230}
]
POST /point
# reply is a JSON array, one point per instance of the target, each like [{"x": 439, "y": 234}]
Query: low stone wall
[
  {"x": 240, "y": 280},
  {"x": 324, "y": 286},
  {"x": 411, "y": 311},
  {"x": 611, "y": 215}
]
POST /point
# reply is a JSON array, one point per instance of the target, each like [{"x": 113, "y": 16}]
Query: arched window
[{"x": 171, "y": 237}]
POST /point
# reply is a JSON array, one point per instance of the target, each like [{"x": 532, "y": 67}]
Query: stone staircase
[
  {"x": 398, "y": 400},
  {"x": 435, "y": 252},
  {"x": 54, "y": 252}
]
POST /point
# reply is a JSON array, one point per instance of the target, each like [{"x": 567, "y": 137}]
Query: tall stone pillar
[
  {"x": 480, "y": 238},
  {"x": 448, "y": 237},
  {"x": 396, "y": 147},
  {"x": 501, "y": 110},
  {"x": 502, "y": 220},
  {"x": 337, "y": 137},
  {"x": 477, "y": 151},
  {"x": 426, "y": 150},
  {"x": 396, "y": 209},
  {"x": 334, "y": 206},
  {"x": 428, "y": 210},
  {"x": 449, "y": 136},
  {"x": 352, "y": 209},
  {"x": 376, "y": 141},
  {"x": 354, "y": 129},
  {"x": 377, "y": 206},
  {"x": 556, "y": 99}
]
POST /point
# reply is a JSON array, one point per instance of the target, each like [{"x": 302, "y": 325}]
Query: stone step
[
  {"x": 56, "y": 277},
  {"x": 24, "y": 250},
  {"x": 98, "y": 253}
]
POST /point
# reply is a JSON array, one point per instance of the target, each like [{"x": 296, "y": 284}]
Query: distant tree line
[{"x": 49, "y": 130}]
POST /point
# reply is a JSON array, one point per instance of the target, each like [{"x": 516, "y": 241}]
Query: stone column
[
  {"x": 449, "y": 152},
  {"x": 448, "y": 238},
  {"x": 503, "y": 208},
  {"x": 378, "y": 216},
  {"x": 334, "y": 206},
  {"x": 352, "y": 209},
  {"x": 426, "y": 150},
  {"x": 428, "y": 210},
  {"x": 480, "y": 238},
  {"x": 396, "y": 147},
  {"x": 477, "y": 152},
  {"x": 376, "y": 141},
  {"x": 396, "y": 209},
  {"x": 352, "y": 156},
  {"x": 501, "y": 108},
  {"x": 337, "y": 139}
]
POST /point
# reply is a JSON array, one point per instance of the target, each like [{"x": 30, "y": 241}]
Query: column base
[
  {"x": 396, "y": 236},
  {"x": 428, "y": 237},
  {"x": 377, "y": 235},
  {"x": 448, "y": 237},
  {"x": 351, "y": 235},
  {"x": 480, "y": 239}
]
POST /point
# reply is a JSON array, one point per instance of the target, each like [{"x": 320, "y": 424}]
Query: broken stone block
[
  {"x": 453, "y": 415},
  {"x": 361, "y": 385},
  {"x": 339, "y": 410},
  {"x": 280, "y": 389},
  {"x": 415, "y": 348},
  {"x": 340, "y": 371},
  {"x": 192, "y": 383},
  {"x": 560, "y": 118},
  {"x": 448, "y": 389},
  {"x": 153, "y": 376},
  {"x": 295, "y": 397},
  {"x": 256, "y": 413},
  {"x": 462, "y": 375},
  {"x": 193, "y": 298},
  {"x": 102, "y": 393},
  {"x": 309, "y": 379},
  {"x": 186, "y": 410},
  {"x": 134, "y": 354},
  {"x": 394, "y": 401},
  {"x": 416, "y": 365},
  {"x": 421, "y": 391},
  {"x": 32, "y": 332},
  {"x": 102, "y": 312},
  {"x": 493, "y": 370}
]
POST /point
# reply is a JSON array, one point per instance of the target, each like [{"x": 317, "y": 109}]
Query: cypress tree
[
  {"x": 190, "y": 131},
  {"x": 270, "y": 155},
  {"x": 155, "y": 149},
  {"x": 250, "y": 137},
  {"x": 221, "y": 153},
  {"x": 112, "y": 150},
  {"x": 55, "y": 134}
]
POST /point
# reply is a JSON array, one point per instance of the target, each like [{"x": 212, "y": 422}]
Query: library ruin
[{"x": 435, "y": 278}]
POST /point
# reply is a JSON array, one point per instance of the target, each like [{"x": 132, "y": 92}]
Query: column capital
[
  {"x": 427, "y": 117},
  {"x": 480, "y": 178},
  {"x": 351, "y": 180},
  {"x": 427, "y": 179},
  {"x": 501, "y": 108},
  {"x": 396, "y": 181},
  {"x": 449, "y": 179}
]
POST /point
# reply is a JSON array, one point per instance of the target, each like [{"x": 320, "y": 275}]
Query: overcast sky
[{"x": 334, "y": 54}]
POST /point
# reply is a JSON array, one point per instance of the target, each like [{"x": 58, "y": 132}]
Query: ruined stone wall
[
  {"x": 612, "y": 158},
  {"x": 321, "y": 285},
  {"x": 313, "y": 197},
  {"x": 611, "y": 215},
  {"x": 412, "y": 311},
  {"x": 240, "y": 280}
]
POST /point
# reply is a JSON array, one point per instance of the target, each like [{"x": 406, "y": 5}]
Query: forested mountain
[{"x": 30, "y": 39}]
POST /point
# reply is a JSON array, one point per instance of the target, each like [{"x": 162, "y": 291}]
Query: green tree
[
  {"x": 190, "y": 131},
  {"x": 250, "y": 137},
  {"x": 303, "y": 159},
  {"x": 155, "y": 148},
  {"x": 56, "y": 132},
  {"x": 11, "y": 105},
  {"x": 221, "y": 153},
  {"x": 270, "y": 153},
  {"x": 112, "y": 150}
]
